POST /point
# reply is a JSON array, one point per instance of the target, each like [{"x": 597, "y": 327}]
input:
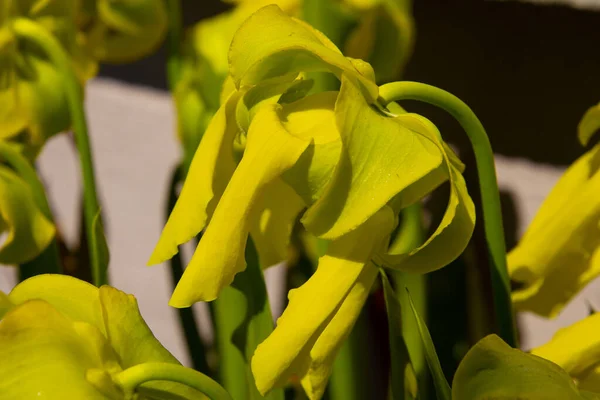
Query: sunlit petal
[
  {"x": 555, "y": 258},
  {"x": 270, "y": 150},
  {"x": 209, "y": 173},
  {"x": 380, "y": 158},
  {"x": 270, "y": 44},
  {"x": 288, "y": 350}
]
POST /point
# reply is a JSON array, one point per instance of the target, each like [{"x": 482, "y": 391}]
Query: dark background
[{"x": 528, "y": 71}]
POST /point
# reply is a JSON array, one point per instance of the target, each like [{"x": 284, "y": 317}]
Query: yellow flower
[
  {"x": 205, "y": 67},
  {"x": 384, "y": 35},
  {"x": 34, "y": 103},
  {"x": 118, "y": 31},
  {"x": 26, "y": 230},
  {"x": 560, "y": 252},
  {"x": 62, "y": 338},
  {"x": 493, "y": 370},
  {"x": 576, "y": 349},
  {"x": 274, "y": 149}
]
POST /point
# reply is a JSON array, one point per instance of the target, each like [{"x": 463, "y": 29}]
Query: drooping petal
[
  {"x": 211, "y": 169},
  {"x": 272, "y": 229},
  {"x": 313, "y": 117},
  {"x": 589, "y": 124},
  {"x": 384, "y": 36},
  {"x": 74, "y": 298},
  {"x": 380, "y": 158},
  {"x": 558, "y": 255},
  {"x": 42, "y": 94},
  {"x": 270, "y": 150},
  {"x": 28, "y": 231},
  {"x": 270, "y": 44},
  {"x": 330, "y": 340},
  {"x": 575, "y": 348},
  {"x": 288, "y": 350},
  {"x": 453, "y": 233},
  {"x": 44, "y": 355},
  {"x": 127, "y": 30}
]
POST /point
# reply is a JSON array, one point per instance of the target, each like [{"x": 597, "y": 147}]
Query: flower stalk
[
  {"x": 58, "y": 57},
  {"x": 490, "y": 197},
  {"x": 135, "y": 376}
]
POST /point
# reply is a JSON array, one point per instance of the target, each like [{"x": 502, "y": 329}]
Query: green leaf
[
  {"x": 402, "y": 388},
  {"x": 99, "y": 249},
  {"x": 442, "y": 388},
  {"x": 494, "y": 370}
]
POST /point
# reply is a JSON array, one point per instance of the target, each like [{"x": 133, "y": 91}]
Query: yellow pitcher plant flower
[
  {"x": 118, "y": 31},
  {"x": 493, "y": 370},
  {"x": 560, "y": 251},
  {"x": 205, "y": 67},
  {"x": 384, "y": 35},
  {"x": 576, "y": 349},
  {"x": 34, "y": 104},
  {"x": 27, "y": 230},
  {"x": 275, "y": 149},
  {"x": 62, "y": 338}
]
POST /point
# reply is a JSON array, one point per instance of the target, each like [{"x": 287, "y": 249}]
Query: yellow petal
[
  {"x": 272, "y": 229},
  {"x": 288, "y": 350},
  {"x": 575, "y": 348},
  {"x": 589, "y": 124},
  {"x": 44, "y": 355},
  {"x": 211, "y": 169},
  {"x": 313, "y": 117},
  {"x": 326, "y": 347},
  {"x": 74, "y": 298},
  {"x": 558, "y": 255},
  {"x": 270, "y": 44},
  {"x": 270, "y": 150},
  {"x": 381, "y": 157},
  {"x": 129, "y": 29},
  {"x": 454, "y": 231},
  {"x": 28, "y": 231}
]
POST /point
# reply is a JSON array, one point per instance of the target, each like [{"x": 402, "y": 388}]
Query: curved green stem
[
  {"x": 37, "y": 34},
  {"x": 137, "y": 375},
  {"x": 48, "y": 262},
  {"x": 490, "y": 197},
  {"x": 174, "y": 43}
]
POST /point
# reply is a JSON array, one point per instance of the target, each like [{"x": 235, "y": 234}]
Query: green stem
[
  {"x": 187, "y": 318},
  {"x": 47, "y": 262},
  {"x": 490, "y": 197},
  {"x": 35, "y": 33},
  {"x": 242, "y": 321},
  {"x": 174, "y": 37},
  {"x": 137, "y": 375}
]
